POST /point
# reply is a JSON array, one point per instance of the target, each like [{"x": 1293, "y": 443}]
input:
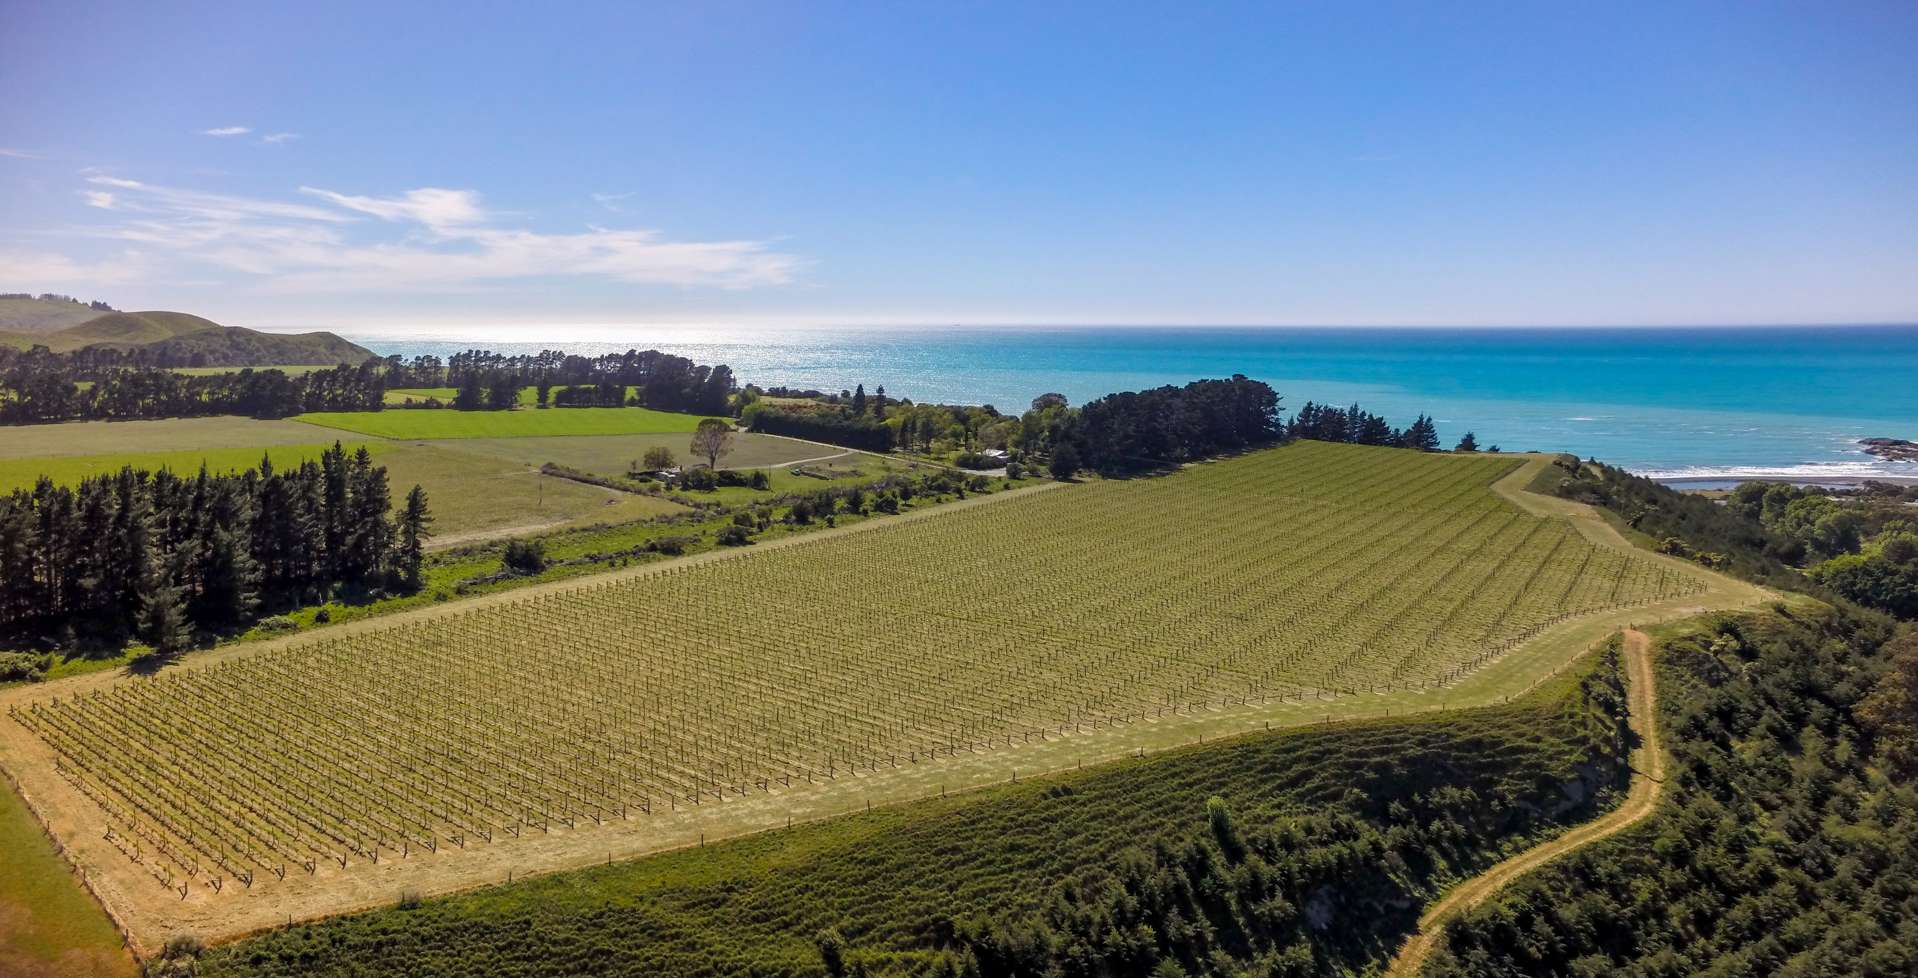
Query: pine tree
[
  {"x": 413, "y": 531},
  {"x": 369, "y": 535},
  {"x": 471, "y": 395},
  {"x": 228, "y": 576},
  {"x": 1469, "y": 443},
  {"x": 129, "y": 568},
  {"x": 859, "y": 400},
  {"x": 502, "y": 391},
  {"x": 333, "y": 513},
  {"x": 1422, "y": 435},
  {"x": 229, "y": 580},
  {"x": 162, "y": 620}
]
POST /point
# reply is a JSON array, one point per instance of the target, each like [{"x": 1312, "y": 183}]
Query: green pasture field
[
  {"x": 470, "y": 495},
  {"x": 291, "y": 370},
  {"x": 1102, "y": 612},
  {"x": 169, "y": 435},
  {"x": 400, "y": 395},
  {"x": 22, "y": 473},
  {"x": 49, "y": 926},
  {"x": 892, "y": 882},
  {"x": 612, "y": 455},
  {"x": 845, "y": 471},
  {"x": 429, "y": 424},
  {"x": 528, "y": 395},
  {"x": 473, "y": 496}
]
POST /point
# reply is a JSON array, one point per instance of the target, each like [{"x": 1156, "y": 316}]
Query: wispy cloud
[
  {"x": 19, "y": 154},
  {"x": 199, "y": 204},
  {"x": 279, "y": 137},
  {"x": 612, "y": 201},
  {"x": 434, "y": 207},
  {"x": 426, "y": 239},
  {"x": 47, "y": 270},
  {"x": 227, "y": 131}
]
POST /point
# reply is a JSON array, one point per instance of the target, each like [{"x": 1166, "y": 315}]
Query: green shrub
[
  {"x": 21, "y": 666},
  {"x": 524, "y": 557}
]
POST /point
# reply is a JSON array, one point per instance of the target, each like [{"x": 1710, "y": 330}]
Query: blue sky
[{"x": 391, "y": 164}]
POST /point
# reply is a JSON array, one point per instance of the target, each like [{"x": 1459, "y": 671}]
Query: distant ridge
[
  {"x": 234, "y": 346},
  {"x": 168, "y": 339},
  {"x": 21, "y": 314},
  {"x": 126, "y": 329}
]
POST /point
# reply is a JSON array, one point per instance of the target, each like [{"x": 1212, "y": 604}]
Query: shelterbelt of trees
[
  {"x": 37, "y": 387},
  {"x": 1788, "y": 843},
  {"x": 1857, "y": 545},
  {"x": 1117, "y": 433},
  {"x": 491, "y": 381},
  {"x": 160, "y": 557}
]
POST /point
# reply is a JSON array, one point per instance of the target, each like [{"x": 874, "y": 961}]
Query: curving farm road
[{"x": 1648, "y": 777}]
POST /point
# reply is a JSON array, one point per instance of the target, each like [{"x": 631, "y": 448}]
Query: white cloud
[
  {"x": 227, "y": 131},
  {"x": 50, "y": 270},
  {"x": 428, "y": 239},
  {"x": 279, "y": 137},
  {"x": 19, "y": 154},
  {"x": 211, "y": 206},
  {"x": 611, "y": 201},
  {"x": 434, "y": 207}
]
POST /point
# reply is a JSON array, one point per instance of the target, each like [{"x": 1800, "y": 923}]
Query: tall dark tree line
[
  {"x": 38, "y": 387},
  {"x": 155, "y": 555},
  {"x": 1356, "y": 426},
  {"x": 660, "y": 380},
  {"x": 1174, "y": 424}
]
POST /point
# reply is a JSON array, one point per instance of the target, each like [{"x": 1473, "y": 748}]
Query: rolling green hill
[
  {"x": 181, "y": 339},
  {"x": 126, "y": 329},
  {"x": 239, "y": 346},
  {"x": 22, "y": 317}
]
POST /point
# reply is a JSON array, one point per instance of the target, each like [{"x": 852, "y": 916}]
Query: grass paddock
[{"x": 435, "y": 423}]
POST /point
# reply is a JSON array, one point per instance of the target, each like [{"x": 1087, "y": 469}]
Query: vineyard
[{"x": 1274, "y": 576}]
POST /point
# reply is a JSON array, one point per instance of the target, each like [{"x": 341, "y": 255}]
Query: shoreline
[{"x": 1710, "y": 481}]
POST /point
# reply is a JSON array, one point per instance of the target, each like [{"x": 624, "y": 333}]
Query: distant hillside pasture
[
  {"x": 164, "y": 435},
  {"x": 289, "y": 369},
  {"x": 612, "y": 455},
  {"x": 49, "y": 927},
  {"x": 179, "y": 338},
  {"x": 124, "y": 329},
  {"x": 473, "y": 495},
  {"x": 528, "y": 395},
  {"x": 430, "y": 424},
  {"x": 234, "y": 346},
  {"x": 22, "y": 473},
  {"x": 26, "y": 317},
  {"x": 1016, "y": 633}
]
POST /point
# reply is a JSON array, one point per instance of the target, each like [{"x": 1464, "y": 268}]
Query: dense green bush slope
[
  {"x": 1787, "y": 843},
  {"x": 1315, "y": 858}
]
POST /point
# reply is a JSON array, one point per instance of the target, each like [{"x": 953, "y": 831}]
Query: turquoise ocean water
[{"x": 1696, "y": 402}]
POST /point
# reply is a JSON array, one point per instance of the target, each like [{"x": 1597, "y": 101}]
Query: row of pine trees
[
  {"x": 39, "y": 387},
  {"x": 1323, "y": 422},
  {"x": 157, "y": 556}
]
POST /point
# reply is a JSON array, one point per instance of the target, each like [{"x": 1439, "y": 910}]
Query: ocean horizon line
[{"x": 450, "y": 331}]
